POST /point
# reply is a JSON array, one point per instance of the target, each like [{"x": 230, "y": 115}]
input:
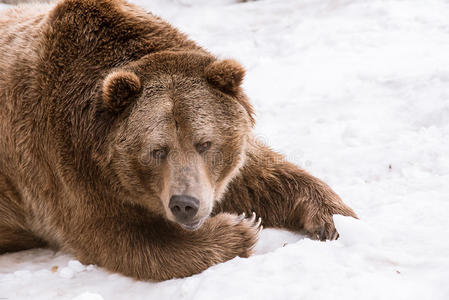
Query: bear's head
[{"x": 182, "y": 129}]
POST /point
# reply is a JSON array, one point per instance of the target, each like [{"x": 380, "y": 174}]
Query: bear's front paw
[
  {"x": 320, "y": 227},
  {"x": 316, "y": 214},
  {"x": 234, "y": 235}
]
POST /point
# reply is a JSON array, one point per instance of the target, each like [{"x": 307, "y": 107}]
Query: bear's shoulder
[{"x": 106, "y": 32}]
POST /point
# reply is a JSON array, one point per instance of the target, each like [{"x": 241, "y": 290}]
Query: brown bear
[{"x": 128, "y": 146}]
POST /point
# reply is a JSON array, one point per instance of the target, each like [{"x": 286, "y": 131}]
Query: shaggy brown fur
[{"x": 106, "y": 113}]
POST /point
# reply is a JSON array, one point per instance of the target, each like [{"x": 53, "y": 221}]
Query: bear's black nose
[{"x": 184, "y": 208}]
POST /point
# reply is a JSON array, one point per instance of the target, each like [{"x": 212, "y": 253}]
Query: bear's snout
[{"x": 185, "y": 208}]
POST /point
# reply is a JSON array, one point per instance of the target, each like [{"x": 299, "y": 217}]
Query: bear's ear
[
  {"x": 120, "y": 88},
  {"x": 226, "y": 75}
]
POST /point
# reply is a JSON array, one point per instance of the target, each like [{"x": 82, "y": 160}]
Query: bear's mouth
[{"x": 194, "y": 225}]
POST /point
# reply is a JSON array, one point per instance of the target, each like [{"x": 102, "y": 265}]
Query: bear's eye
[
  {"x": 160, "y": 153},
  {"x": 203, "y": 147}
]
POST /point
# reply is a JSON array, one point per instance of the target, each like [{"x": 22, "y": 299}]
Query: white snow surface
[{"x": 356, "y": 92}]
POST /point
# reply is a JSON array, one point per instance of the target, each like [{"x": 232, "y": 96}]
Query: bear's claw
[
  {"x": 253, "y": 221},
  {"x": 326, "y": 232},
  {"x": 241, "y": 217},
  {"x": 253, "y": 217}
]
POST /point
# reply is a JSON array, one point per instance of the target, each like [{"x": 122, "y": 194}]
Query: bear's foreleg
[
  {"x": 284, "y": 195},
  {"x": 147, "y": 247}
]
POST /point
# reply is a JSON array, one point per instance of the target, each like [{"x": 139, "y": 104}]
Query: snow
[
  {"x": 88, "y": 296},
  {"x": 356, "y": 92}
]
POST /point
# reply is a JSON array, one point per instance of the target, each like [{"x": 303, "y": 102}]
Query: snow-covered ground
[{"x": 355, "y": 91}]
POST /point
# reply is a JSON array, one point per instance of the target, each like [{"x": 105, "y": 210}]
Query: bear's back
[{"x": 20, "y": 28}]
